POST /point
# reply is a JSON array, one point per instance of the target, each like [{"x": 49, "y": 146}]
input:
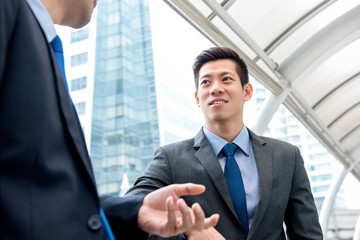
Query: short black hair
[{"x": 216, "y": 53}]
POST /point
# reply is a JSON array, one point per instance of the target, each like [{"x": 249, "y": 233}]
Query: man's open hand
[{"x": 163, "y": 213}]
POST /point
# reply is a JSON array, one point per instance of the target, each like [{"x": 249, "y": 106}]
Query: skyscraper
[
  {"x": 124, "y": 118},
  {"x": 111, "y": 82}
]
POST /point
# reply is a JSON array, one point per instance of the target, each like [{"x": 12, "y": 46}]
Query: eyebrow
[{"x": 221, "y": 75}]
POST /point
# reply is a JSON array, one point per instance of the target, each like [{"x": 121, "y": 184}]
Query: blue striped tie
[
  {"x": 58, "y": 50},
  {"x": 235, "y": 184}
]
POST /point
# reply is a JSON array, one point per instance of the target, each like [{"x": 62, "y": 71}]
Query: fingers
[
  {"x": 199, "y": 216},
  {"x": 200, "y": 221},
  {"x": 194, "y": 219},
  {"x": 211, "y": 221},
  {"x": 175, "y": 216},
  {"x": 187, "y": 222},
  {"x": 171, "y": 215}
]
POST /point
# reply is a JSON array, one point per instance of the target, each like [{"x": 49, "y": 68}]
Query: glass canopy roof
[{"x": 308, "y": 48}]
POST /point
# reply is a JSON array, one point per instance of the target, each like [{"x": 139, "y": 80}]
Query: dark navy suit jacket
[{"x": 47, "y": 186}]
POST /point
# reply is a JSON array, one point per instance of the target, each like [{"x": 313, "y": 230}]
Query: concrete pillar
[
  {"x": 267, "y": 111},
  {"x": 357, "y": 230},
  {"x": 329, "y": 200}
]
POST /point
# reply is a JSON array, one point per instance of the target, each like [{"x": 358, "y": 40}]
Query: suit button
[{"x": 94, "y": 222}]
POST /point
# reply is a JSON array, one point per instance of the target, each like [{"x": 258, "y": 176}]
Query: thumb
[{"x": 189, "y": 189}]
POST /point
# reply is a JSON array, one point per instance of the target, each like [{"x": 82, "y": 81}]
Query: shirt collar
[
  {"x": 43, "y": 18},
  {"x": 217, "y": 143}
]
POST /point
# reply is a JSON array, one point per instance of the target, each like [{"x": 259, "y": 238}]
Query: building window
[
  {"x": 294, "y": 138},
  {"x": 78, "y": 83},
  {"x": 79, "y": 59},
  {"x": 323, "y": 177},
  {"x": 260, "y": 100},
  {"x": 317, "y": 167},
  {"x": 80, "y": 108},
  {"x": 79, "y": 35},
  {"x": 260, "y": 90},
  {"x": 320, "y": 189}
]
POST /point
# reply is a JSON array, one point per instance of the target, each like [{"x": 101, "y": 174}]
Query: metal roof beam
[
  {"x": 337, "y": 88},
  {"x": 322, "y": 45},
  {"x": 226, "y": 4},
  {"x": 307, "y": 116},
  {"x": 210, "y": 31},
  {"x": 343, "y": 114},
  {"x": 297, "y": 24},
  {"x": 229, "y": 21}
]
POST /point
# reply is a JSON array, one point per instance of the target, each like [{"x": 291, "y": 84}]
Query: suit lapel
[
  {"x": 207, "y": 157},
  {"x": 71, "y": 122},
  {"x": 264, "y": 163}
]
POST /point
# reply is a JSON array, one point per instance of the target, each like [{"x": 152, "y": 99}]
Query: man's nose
[{"x": 216, "y": 88}]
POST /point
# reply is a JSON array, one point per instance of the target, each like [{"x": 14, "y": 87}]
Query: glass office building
[{"x": 124, "y": 128}]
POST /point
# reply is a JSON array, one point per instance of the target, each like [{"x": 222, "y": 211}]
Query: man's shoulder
[
  {"x": 12, "y": 6},
  {"x": 275, "y": 141},
  {"x": 8, "y": 8},
  {"x": 176, "y": 150},
  {"x": 13, "y": 13},
  {"x": 180, "y": 144},
  {"x": 270, "y": 142}
]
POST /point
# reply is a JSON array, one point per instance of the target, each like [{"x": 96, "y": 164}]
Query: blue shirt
[
  {"x": 44, "y": 19},
  {"x": 245, "y": 159}
]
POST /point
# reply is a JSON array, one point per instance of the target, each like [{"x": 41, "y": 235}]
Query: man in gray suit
[{"x": 276, "y": 186}]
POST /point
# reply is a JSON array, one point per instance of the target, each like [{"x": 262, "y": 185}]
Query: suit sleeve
[
  {"x": 122, "y": 213},
  {"x": 301, "y": 217},
  {"x": 155, "y": 176}
]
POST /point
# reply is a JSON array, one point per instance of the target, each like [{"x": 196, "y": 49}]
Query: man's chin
[{"x": 218, "y": 118}]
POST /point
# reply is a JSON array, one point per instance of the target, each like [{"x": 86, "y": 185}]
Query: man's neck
[
  {"x": 225, "y": 130},
  {"x": 54, "y": 9}
]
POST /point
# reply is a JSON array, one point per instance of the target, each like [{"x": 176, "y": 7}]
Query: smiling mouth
[{"x": 217, "y": 102}]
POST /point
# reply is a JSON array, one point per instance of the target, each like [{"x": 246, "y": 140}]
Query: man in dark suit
[
  {"x": 273, "y": 178},
  {"x": 47, "y": 186}
]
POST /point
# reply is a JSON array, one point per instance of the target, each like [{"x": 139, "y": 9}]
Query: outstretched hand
[{"x": 163, "y": 213}]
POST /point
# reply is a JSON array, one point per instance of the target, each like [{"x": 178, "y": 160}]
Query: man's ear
[
  {"x": 248, "y": 90},
  {"x": 197, "y": 99}
]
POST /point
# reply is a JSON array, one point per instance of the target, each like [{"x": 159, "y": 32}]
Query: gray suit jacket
[{"x": 285, "y": 193}]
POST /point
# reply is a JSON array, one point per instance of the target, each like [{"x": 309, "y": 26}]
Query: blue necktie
[
  {"x": 106, "y": 226},
  {"x": 58, "y": 50},
  {"x": 235, "y": 184}
]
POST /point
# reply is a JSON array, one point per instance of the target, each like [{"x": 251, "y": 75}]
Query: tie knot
[
  {"x": 56, "y": 44},
  {"x": 229, "y": 149}
]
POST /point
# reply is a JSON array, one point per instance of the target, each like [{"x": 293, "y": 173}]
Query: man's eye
[
  {"x": 204, "y": 82},
  {"x": 227, "y": 79}
]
